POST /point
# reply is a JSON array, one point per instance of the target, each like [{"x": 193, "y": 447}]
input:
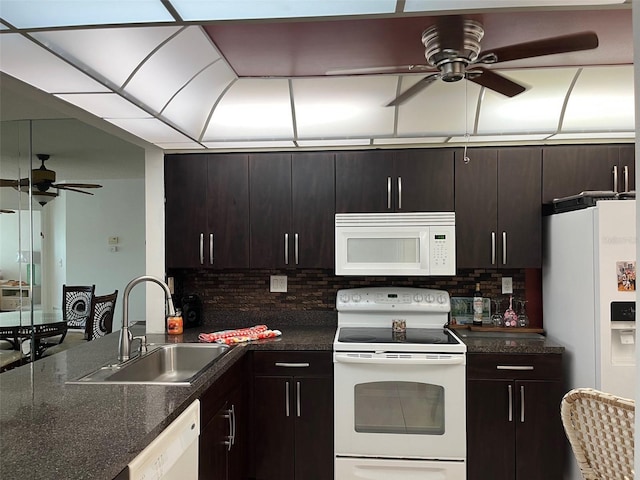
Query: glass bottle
[
  {"x": 523, "y": 318},
  {"x": 496, "y": 318},
  {"x": 477, "y": 306}
]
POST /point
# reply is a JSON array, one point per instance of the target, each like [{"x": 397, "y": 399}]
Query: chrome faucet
[{"x": 126, "y": 337}]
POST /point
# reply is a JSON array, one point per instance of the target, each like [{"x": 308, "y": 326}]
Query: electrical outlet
[
  {"x": 507, "y": 285},
  {"x": 278, "y": 283}
]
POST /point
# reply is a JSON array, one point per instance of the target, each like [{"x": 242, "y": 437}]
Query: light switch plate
[
  {"x": 278, "y": 283},
  {"x": 507, "y": 285}
]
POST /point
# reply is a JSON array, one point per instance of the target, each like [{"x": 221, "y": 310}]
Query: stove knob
[
  {"x": 442, "y": 299},
  {"x": 430, "y": 298},
  {"x": 344, "y": 298},
  {"x": 418, "y": 297},
  {"x": 356, "y": 298}
]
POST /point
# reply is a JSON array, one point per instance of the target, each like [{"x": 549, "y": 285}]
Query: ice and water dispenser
[{"x": 623, "y": 333}]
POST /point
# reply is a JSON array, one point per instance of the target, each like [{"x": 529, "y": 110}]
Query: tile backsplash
[{"x": 315, "y": 289}]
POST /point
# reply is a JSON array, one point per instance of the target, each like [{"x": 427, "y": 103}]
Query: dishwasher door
[{"x": 173, "y": 455}]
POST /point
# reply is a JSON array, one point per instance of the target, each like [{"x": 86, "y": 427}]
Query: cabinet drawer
[
  {"x": 292, "y": 363},
  {"x": 516, "y": 366}
]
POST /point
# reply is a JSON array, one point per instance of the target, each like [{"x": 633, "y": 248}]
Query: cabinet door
[
  {"x": 519, "y": 207},
  {"x": 476, "y": 208},
  {"x": 228, "y": 211},
  {"x": 212, "y": 461},
  {"x": 237, "y": 456},
  {"x": 270, "y": 204},
  {"x": 273, "y": 431},
  {"x": 313, "y": 197},
  {"x": 539, "y": 432},
  {"x": 314, "y": 456},
  {"x": 364, "y": 181},
  {"x": 423, "y": 180},
  {"x": 185, "y": 178},
  {"x": 627, "y": 180},
  {"x": 490, "y": 430},
  {"x": 569, "y": 170}
]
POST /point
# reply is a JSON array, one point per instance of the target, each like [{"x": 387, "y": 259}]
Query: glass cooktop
[{"x": 426, "y": 336}]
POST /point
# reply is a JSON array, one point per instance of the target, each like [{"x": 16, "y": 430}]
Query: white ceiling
[{"x": 170, "y": 86}]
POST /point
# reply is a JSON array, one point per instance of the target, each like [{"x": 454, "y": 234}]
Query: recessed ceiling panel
[
  {"x": 191, "y": 107},
  {"x": 602, "y": 99},
  {"x": 334, "y": 143},
  {"x": 536, "y": 110},
  {"x": 436, "y": 5},
  {"x": 343, "y": 107},
  {"x": 105, "y": 105},
  {"x": 26, "y": 61},
  {"x": 253, "y": 109},
  {"x": 63, "y": 13},
  {"x": 408, "y": 140},
  {"x": 151, "y": 130},
  {"x": 180, "y": 146},
  {"x": 171, "y": 68},
  {"x": 255, "y": 9},
  {"x": 441, "y": 109},
  {"x": 97, "y": 48},
  {"x": 599, "y": 136},
  {"x": 250, "y": 145},
  {"x": 524, "y": 137}
]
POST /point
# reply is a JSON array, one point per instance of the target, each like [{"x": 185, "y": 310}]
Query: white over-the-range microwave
[{"x": 420, "y": 243}]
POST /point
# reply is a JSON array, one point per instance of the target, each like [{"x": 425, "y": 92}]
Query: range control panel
[{"x": 382, "y": 299}]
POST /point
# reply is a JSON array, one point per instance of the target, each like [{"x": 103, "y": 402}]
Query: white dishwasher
[{"x": 173, "y": 455}]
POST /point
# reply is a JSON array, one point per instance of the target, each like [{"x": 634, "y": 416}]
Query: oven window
[
  {"x": 399, "y": 407},
  {"x": 383, "y": 250}
]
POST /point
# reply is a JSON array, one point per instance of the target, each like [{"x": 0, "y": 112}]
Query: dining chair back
[
  {"x": 100, "y": 320},
  {"x": 600, "y": 429},
  {"x": 76, "y": 304}
]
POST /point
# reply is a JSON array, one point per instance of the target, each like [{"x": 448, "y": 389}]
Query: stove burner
[{"x": 358, "y": 338}]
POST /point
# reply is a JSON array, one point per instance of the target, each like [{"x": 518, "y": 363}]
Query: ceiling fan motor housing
[{"x": 452, "y": 60}]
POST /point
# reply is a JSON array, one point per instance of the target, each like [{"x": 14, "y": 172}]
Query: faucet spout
[{"x": 124, "y": 345}]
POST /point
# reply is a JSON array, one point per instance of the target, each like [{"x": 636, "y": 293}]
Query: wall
[{"x": 15, "y": 229}]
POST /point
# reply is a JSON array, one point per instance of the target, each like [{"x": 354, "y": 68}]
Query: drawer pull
[
  {"x": 514, "y": 367},
  {"x": 294, "y": 365}
]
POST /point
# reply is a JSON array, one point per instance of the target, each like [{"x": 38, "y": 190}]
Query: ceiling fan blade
[
  {"x": 496, "y": 82},
  {"x": 66, "y": 187},
  {"x": 414, "y": 90},
  {"x": 23, "y": 182},
  {"x": 567, "y": 43},
  {"x": 450, "y": 32},
  {"x": 374, "y": 70},
  {"x": 76, "y": 185}
]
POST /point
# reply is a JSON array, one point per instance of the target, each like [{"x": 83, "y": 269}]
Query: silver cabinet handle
[
  {"x": 286, "y": 399},
  {"x": 521, "y": 403},
  {"x": 510, "y": 404},
  {"x": 294, "y": 365},
  {"x": 493, "y": 248},
  {"x": 211, "y": 248},
  {"x": 626, "y": 178},
  {"x": 504, "y": 248},
  {"x": 286, "y": 249},
  {"x": 295, "y": 248},
  {"x": 201, "y": 248},
  {"x": 389, "y": 192},
  {"x": 297, "y": 399},
  {"x": 514, "y": 367},
  {"x": 399, "y": 193},
  {"x": 615, "y": 178},
  {"x": 229, "y": 440},
  {"x": 233, "y": 430}
]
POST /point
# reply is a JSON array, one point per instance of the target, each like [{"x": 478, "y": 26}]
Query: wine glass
[
  {"x": 496, "y": 318},
  {"x": 523, "y": 318}
]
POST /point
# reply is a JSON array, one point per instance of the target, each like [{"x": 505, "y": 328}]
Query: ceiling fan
[
  {"x": 453, "y": 51},
  {"x": 44, "y": 179}
]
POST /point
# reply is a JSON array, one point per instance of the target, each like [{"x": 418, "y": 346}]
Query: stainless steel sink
[{"x": 173, "y": 364}]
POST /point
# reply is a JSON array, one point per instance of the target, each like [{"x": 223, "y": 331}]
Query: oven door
[{"x": 400, "y": 405}]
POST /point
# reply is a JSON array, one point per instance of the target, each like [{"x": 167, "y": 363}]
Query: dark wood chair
[
  {"x": 100, "y": 320},
  {"x": 76, "y": 305}
]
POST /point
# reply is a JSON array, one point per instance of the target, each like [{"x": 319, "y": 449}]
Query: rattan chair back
[{"x": 600, "y": 429}]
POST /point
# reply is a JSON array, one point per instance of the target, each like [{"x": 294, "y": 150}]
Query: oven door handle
[{"x": 399, "y": 359}]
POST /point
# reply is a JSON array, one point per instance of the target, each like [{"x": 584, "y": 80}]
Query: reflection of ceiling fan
[
  {"x": 453, "y": 51},
  {"x": 2, "y": 210},
  {"x": 44, "y": 179}
]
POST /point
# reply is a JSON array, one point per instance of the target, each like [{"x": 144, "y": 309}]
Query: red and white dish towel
[{"x": 231, "y": 337}]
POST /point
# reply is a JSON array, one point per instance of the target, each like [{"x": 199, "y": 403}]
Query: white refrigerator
[{"x": 588, "y": 292}]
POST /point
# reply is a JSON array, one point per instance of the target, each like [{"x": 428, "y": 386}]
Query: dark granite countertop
[
  {"x": 52, "y": 431},
  {"x": 497, "y": 342}
]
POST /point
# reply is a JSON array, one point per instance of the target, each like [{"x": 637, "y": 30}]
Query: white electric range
[{"x": 399, "y": 393}]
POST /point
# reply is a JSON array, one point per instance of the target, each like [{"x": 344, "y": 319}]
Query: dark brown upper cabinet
[
  {"x": 572, "y": 169},
  {"x": 411, "y": 180},
  {"x": 292, "y": 204},
  {"x": 207, "y": 211},
  {"x": 498, "y": 208}
]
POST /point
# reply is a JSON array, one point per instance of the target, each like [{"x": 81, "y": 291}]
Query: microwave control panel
[{"x": 442, "y": 250}]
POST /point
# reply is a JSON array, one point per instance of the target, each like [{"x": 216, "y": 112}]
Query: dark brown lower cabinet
[
  {"x": 292, "y": 416},
  {"x": 223, "y": 433},
  {"x": 514, "y": 429}
]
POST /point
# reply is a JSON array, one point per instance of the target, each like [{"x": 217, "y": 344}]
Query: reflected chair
[
  {"x": 100, "y": 320},
  {"x": 600, "y": 429},
  {"x": 76, "y": 305}
]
